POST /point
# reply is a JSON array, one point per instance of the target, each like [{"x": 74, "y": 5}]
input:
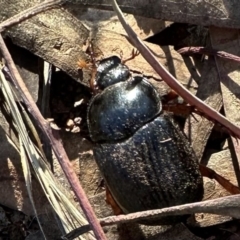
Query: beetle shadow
[{"x": 130, "y": 231}]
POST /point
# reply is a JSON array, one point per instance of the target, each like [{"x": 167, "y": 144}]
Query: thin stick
[
  {"x": 208, "y": 51},
  {"x": 228, "y": 206},
  {"x": 170, "y": 80},
  {"x": 43, "y": 6},
  {"x": 55, "y": 141}
]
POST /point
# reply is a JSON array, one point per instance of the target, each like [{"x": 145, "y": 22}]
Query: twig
[
  {"x": 170, "y": 80},
  {"x": 55, "y": 141},
  {"x": 208, "y": 51},
  {"x": 228, "y": 206},
  {"x": 43, "y": 6},
  {"x": 208, "y": 172}
]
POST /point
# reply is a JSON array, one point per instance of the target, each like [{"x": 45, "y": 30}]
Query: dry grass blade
[
  {"x": 16, "y": 115},
  {"x": 68, "y": 214},
  {"x": 28, "y": 180}
]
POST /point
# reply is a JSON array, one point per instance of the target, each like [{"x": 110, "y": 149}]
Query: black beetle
[{"x": 146, "y": 161}]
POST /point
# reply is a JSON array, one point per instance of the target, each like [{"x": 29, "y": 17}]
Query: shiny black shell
[
  {"x": 146, "y": 161},
  {"x": 111, "y": 71},
  {"x": 121, "y": 109}
]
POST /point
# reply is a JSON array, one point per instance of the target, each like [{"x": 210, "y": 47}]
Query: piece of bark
[
  {"x": 228, "y": 40},
  {"x": 209, "y": 12},
  {"x": 56, "y": 36}
]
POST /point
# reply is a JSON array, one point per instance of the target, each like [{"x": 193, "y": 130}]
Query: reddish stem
[{"x": 208, "y": 51}]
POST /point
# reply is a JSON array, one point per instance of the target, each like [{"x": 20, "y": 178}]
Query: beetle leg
[
  {"x": 93, "y": 64},
  {"x": 83, "y": 64},
  {"x": 181, "y": 108},
  {"x": 178, "y": 109},
  {"x": 110, "y": 200},
  {"x": 134, "y": 54},
  {"x": 170, "y": 96}
]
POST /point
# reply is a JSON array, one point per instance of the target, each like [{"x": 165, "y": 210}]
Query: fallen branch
[
  {"x": 228, "y": 206},
  {"x": 208, "y": 51}
]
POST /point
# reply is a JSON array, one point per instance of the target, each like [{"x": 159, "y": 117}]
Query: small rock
[
  {"x": 78, "y": 102},
  {"x": 70, "y": 123},
  {"x": 75, "y": 129},
  {"x": 77, "y": 120}
]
